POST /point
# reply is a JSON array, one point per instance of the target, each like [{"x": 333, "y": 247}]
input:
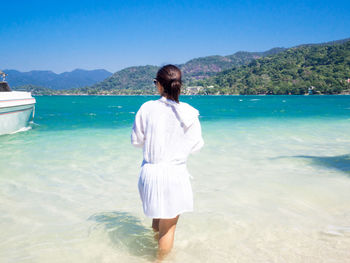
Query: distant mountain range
[
  {"x": 131, "y": 78},
  {"x": 232, "y": 74},
  {"x": 67, "y": 80},
  {"x": 135, "y": 79},
  {"x": 138, "y": 80},
  {"x": 324, "y": 68}
]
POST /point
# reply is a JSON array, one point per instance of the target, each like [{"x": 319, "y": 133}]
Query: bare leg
[
  {"x": 166, "y": 236},
  {"x": 155, "y": 224}
]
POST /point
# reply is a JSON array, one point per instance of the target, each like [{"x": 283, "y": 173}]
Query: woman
[{"x": 168, "y": 131}]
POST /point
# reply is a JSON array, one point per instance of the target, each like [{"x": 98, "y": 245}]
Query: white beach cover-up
[{"x": 168, "y": 132}]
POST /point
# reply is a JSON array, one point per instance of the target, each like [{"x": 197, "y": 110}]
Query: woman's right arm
[{"x": 138, "y": 131}]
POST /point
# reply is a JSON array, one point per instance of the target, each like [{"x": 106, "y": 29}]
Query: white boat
[{"x": 17, "y": 108}]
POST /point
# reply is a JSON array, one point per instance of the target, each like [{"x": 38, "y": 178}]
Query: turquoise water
[{"x": 270, "y": 185}]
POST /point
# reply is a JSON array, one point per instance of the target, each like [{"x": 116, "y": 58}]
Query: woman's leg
[
  {"x": 155, "y": 224},
  {"x": 166, "y": 236}
]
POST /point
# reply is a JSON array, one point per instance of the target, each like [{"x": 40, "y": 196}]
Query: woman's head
[{"x": 169, "y": 77}]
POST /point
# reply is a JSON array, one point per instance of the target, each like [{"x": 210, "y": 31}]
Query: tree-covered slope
[
  {"x": 324, "y": 68},
  {"x": 128, "y": 81},
  {"x": 205, "y": 67},
  {"x": 139, "y": 79}
]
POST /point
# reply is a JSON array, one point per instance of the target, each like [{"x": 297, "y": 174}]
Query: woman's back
[{"x": 160, "y": 129}]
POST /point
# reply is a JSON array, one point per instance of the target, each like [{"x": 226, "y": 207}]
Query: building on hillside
[
  {"x": 311, "y": 90},
  {"x": 193, "y": 90}
]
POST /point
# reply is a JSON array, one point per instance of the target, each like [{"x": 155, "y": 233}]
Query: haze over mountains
[{"x": 67, "y": 80}]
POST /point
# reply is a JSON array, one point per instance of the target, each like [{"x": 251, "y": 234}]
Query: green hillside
[
  {"x": 205, "y": 67},
  {"x": 130, "y": 80},
  {"x": 323, "y": 68},
  {"x": 138, "y": 80}
]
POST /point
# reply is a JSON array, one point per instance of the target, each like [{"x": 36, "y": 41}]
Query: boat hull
[
  {"x": 16, "y": 111},
  {"x": 15, "y": 118}
]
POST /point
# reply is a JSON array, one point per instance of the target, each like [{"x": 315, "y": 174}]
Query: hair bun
[
  {"x": 175, "y": 83},
  {"x": 169, "y": 77}
]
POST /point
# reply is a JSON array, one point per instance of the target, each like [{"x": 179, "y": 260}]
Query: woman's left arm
[{"x": 195, "y": 136}]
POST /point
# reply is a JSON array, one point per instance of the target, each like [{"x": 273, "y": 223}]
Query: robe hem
[{"x": 169, "y": 217}]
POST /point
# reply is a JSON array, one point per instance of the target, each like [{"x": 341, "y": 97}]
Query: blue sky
[{"x": 64, "y": 35}]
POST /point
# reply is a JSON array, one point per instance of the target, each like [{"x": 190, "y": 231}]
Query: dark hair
[{"x": 169, "y": 76}]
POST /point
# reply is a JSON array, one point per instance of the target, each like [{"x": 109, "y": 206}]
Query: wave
[
  {"x": 24, "y": 129},
  {"x": 27, "y": 128},
  {"x": 117, "y": 106}
]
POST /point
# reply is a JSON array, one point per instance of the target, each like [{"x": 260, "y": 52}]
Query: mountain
[
  {"x": 137, "y": 80},
  {"x": 334, "y": 42},
  {"x": 48, "y": 79},
  {"x": 204, "y": 67},
  {"x": 129, "y": 80},
  {"x": 321, "y": 68}
]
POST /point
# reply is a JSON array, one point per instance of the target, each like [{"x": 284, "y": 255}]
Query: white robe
[{"x": 168, "y": 132}]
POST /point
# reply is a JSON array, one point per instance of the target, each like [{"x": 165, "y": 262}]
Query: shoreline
[{"x": 133, "y": 95}]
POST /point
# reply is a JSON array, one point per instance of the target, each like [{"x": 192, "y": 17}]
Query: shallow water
[{"x": 270, "y": 185}]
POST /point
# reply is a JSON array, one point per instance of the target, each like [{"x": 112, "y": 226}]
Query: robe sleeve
[
  {"x": 194, "y": 134},
  {"x": 138, "y": 132}
]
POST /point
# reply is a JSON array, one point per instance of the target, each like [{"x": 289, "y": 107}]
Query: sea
[{"x": 271, "y": 183}]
